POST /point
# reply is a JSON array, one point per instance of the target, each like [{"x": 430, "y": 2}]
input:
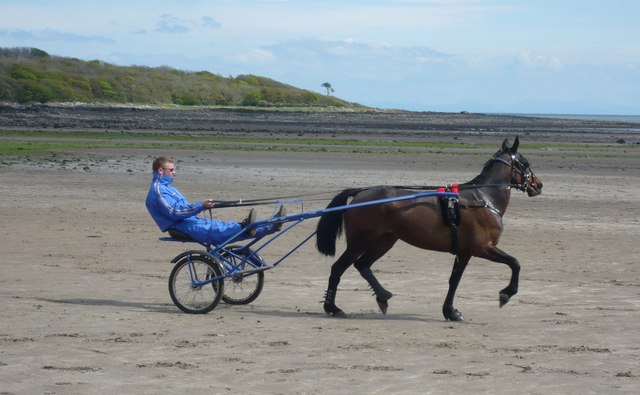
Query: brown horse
[{"x": 474, "y": 230}]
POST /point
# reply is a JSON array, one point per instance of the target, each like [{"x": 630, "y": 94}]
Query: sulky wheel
[
  {"x": 195, "y": 299},
  {"x": 242, "y": 289}
]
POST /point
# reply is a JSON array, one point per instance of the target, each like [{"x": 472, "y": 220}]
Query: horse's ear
[
  {"x": 516, "y": 143},
  {"x": 505, "y": 145}
]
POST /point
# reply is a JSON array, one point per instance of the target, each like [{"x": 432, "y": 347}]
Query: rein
[
  {"x": 264, "y": 201},
  {"x": 460, "y": 186},
  {"x": 282, "y": 199},
  {"x": 516, "y": 166}
]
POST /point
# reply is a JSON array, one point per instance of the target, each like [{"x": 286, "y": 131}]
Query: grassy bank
[{"x": 26, "y": 143}]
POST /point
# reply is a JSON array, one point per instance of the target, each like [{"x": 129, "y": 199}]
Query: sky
[{"x": 498, "y": 56}]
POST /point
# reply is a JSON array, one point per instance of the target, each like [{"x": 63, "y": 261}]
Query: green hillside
[{"x": 30, "y": 75}]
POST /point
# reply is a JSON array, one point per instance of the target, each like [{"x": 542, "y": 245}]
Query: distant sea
[{"x": 584, "y": 117}]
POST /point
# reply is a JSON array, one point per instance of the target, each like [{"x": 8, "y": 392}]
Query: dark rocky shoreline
[{"x": 379, "y": 124}]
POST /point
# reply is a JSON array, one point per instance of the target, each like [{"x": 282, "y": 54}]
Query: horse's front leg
[
  {"x": 497, "y": 255},
  {"x": 449, "y": 312}
]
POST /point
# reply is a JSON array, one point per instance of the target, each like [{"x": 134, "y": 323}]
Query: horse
[{"x": 372, "y": 230}]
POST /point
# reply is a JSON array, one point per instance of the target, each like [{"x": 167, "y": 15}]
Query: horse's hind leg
[
  {"x": 337, "y": 270},
  {"x": 364, "y": 263},
  {"x": 449, "y": 312}
]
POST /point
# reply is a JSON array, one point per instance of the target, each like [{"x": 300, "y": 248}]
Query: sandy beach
[{"x": 87, "y": 310}]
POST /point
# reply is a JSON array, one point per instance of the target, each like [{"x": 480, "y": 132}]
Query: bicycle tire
[
  {"x": 199, "y": 299},
  {"x": 242, "y": 289}
]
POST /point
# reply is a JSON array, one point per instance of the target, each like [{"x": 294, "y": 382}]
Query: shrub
[
  {"x": 107, "y": 89},
  {"x": 251, "y": 99}
]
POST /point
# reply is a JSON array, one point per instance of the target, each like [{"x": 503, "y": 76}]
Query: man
[{"x": 173, "y": 212}]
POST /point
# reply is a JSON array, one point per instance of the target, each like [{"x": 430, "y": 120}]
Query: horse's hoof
[
  {"x": 384, "y": 295},
  {"x": 455, "y": 315},
  {"x": 504, "y": 299},
  {"x": 383, "y": 305},
  {"x": 339, "y": 314},
  {"x": 334, "y": 311}
]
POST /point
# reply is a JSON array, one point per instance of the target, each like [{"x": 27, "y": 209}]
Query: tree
[{"x": 328, "y": 87}]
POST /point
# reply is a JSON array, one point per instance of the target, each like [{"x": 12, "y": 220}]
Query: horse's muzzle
[{"x": 535, "y": 186}]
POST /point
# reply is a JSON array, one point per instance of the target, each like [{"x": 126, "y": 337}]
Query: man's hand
[{"x": 208, "y": 203}]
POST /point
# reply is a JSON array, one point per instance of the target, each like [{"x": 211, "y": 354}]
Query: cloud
[
  {"x": 349, "y": 55},
  {"x": 210, "y": 23},
  {"x": 173, "y": 25},
  {"x": 413, "y": 77},
  {"x": 372, "y": 73},
  {"x": 531, "y": 59},
  {"x": 51, "y": 35},
  {"x": 254, "y": 56}
]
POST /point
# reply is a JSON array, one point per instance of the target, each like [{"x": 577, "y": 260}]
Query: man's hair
[{"x": 159, "y": 161}]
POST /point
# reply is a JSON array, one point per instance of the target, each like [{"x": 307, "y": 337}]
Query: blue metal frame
[{"x": 230, "y": 269}]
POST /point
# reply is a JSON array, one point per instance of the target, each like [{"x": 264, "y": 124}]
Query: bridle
[{"x": 517, "y": 166}]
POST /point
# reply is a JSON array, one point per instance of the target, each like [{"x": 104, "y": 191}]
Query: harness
[{"x": 450, "y": 206}]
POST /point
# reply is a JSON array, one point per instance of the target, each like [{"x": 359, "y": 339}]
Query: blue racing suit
[{"x": 170, "y": 210}]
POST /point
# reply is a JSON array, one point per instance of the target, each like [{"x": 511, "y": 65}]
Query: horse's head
[{"x": 522, "y": 176}]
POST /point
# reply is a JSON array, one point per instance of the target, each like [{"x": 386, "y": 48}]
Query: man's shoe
[
  {"x": 282, "y": 212},
  {"x": 251, "y": 218}
]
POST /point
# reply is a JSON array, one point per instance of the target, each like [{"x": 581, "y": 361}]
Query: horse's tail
[{"x": 330, "y": 224}]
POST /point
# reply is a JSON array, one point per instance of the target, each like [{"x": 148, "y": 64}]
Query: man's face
[{"x": 168, "y": 169}]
